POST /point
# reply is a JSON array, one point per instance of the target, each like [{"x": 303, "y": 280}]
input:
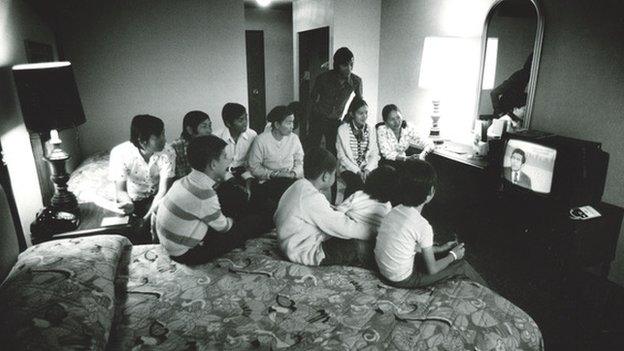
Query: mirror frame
[{"x": 537, "y": 51}]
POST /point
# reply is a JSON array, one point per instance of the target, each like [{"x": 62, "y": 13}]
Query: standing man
[{"x": 328, "y": 98}]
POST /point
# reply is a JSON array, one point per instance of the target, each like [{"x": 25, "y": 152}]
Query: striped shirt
[
  {"x": 186, "y": 212},
  {"x": 359, "y": 147}
]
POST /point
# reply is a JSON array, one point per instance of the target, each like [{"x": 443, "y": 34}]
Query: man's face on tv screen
[{"x": 516, "y": 162}]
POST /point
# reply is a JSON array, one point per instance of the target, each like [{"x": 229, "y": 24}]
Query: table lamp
[{"x": 50, "y": 102}]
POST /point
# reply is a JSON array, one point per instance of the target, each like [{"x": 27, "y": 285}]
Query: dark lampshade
[{"x": 48, "y": 96}]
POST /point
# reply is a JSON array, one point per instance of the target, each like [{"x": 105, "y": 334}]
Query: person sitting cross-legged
[
  {"x": 404, "y": 251},
  {"x": 189, "y": 223},
  {"x": 309, "y": 230}
]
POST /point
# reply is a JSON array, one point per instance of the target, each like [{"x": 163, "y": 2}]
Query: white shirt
[
  {"x": 142, "y": 178},
  {"x": 268, "y": 154},
  {"x": 362, "y": 209},
  {"x": 391, "y": 148},
  {"x": 402, "y": 233},
  {"x": 304, "y": 219},
  {"x": 238, "y": 151}
]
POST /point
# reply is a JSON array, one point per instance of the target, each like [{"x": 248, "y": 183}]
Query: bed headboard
[{"x": 9, "y": 246}]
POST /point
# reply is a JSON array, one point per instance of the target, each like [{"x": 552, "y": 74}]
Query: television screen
[{"x": 529, "y": 165}]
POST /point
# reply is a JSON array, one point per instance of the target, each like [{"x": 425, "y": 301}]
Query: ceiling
[{"x": 275, "y": 4}]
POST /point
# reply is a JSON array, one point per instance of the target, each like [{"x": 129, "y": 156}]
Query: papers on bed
[{"x": 108, "y": 221}]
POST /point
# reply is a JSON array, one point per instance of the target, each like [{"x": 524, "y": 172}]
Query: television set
[{"x": 551, "y": 169}]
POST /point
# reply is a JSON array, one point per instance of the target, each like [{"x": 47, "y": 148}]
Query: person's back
[
  {"x": 401, "y": 235},
  {"x": 404, "y": 251},
  {"x": 372, "y": 204},
  {"x": 309, "y": 230}
]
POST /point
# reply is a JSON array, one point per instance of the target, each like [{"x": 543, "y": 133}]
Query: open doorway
[{"x": 313, "y": 60}]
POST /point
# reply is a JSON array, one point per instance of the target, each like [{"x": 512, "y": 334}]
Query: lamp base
[
  {"x": 434, "y": 132},
  {"x": 51, "y": 221},
  {"x": 63, "y": 214}
]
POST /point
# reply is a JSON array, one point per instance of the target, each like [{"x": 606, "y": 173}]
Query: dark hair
[
  {"x": 203, "y": 150},
  {"x": 232, "y": 111},
  {"x": 528, "y": 62},
  {"x": 143, "y": 127},
  {"x": 297, "y": 110},
  {"x": 385, "y": 113},
  {"x": 342, "y": 56},
  {"x": 316, "y": 161},
  {"x": 355, "y": 105},
  {"x": 380, "y": 184},
  {"x": 415, "y": 182},
  {"x": 521, "y": 153},
  {"x": 192, "y": 119},
  {"x": 278, "y": 114}
]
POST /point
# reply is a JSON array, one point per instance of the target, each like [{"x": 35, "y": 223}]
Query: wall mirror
[{"x": 510, "y": 54}]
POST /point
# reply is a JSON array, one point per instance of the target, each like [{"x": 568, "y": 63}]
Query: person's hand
[
  {"x": 449, "y": 245},
  {"x": 126, "y": 207},
  {"x": 285, "y": 173},
  {"x": 459, "y": 251},
  {"x": 364, "y": 174},
  {"x": 248, "y": 183}
]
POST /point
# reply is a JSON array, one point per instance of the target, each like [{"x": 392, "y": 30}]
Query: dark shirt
[
  {"x": 510, "y": 93},
  {"x": 331, "y": 92}
]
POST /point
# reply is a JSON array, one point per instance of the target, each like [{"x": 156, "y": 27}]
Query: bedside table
[{"x": 91, "y": 224}]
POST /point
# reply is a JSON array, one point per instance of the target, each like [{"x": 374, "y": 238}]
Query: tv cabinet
[{"x": 468, "y": 203}]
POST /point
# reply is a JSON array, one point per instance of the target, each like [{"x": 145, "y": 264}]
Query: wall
[
  {"x": 278, "y": 52},
  {"x": 159, "y": 57},
  {"x": 357, "y": 26},
  {"x": 404, "y": 26},
  {"x": 17, "y": 23},
  {"x": 581, "y": 75},
  {"x": 581, "y": 84}
]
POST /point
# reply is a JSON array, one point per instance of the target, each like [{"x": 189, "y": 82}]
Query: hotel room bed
[
  {"x": 100, "y": 292},
  {"x": 89, "y": 181}
]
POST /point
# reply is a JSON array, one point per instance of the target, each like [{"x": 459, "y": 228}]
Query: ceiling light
[{"x": 263, "y": 3}]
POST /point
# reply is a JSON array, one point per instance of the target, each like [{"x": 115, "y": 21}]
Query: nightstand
[{"x": 91, "y": 224}]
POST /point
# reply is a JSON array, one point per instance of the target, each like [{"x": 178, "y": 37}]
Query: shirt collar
[
  {"x": 229, "y": 138},
  {"x": 201, "y": 179}
]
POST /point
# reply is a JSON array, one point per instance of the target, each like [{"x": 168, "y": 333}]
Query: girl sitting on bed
[
  {"x": 397, "y": 139},
  {"x": 195, "y": 123},
  {"x": 404, "y": 250}
]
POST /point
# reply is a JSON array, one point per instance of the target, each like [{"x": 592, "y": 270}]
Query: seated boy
[
  {"x": 371, "y": 204},
  {"x": 189, "y": 223},
  {"x": 235, "y": 193},
  {"x": 142, "y": 168},
  {"x": 309, "y": 230},
  {"x": 404, "y": 248}
]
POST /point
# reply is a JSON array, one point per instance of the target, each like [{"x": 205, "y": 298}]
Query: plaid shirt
[{"x": 182, "y": 167}]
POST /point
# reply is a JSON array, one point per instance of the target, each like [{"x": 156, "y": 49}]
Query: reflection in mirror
[{"x": 508, "y": 80}]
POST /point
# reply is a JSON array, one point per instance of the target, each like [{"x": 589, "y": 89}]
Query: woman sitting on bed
[
  {"x": 142, "y": 168},
  {"x": 356, "y": 147},
  {"x": 195, "y": 123},
  {"x": 396, "y": 138},
  {"x": 276, "y": 157}
]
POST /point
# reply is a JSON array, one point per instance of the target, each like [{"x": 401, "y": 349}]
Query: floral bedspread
[
  {"x": 89, "y": 182},
  {"x": 60, "y": 295},
  {"x": 254, "y": 299}
]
